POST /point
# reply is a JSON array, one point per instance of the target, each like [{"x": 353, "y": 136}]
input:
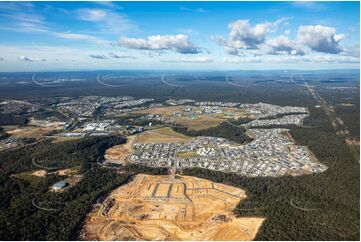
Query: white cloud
[
  {"x": 23, "y": 22},
  {"x": 353, "y": 51},
  {"x": 30, "y": 23},
  {"x": 30, "y": 59},
  {"x": 92, "y": 15},
  {"x": 239, "y": 60},
  {"x": 244, "y": 38},
  {"x": 152, "y": 53},
  {"x": 289, "y": 59},
  {"x": 309, "y": 5},
  {"x": 199, "y": 10},
  {"x": 116, "y": 56},
  {"x": 189, "y": 31},
  {"x": 331, "y": 59},
  {"x": 107, "y": 20},
  {"x": 17, "y": 6},
  {"x": 96, "y": 56},
  {"x": 108, "y": 4},
  {"x": 110, "y": 55},
  {"x": 201, "y": 59},
  {"x": 242, "y": 35},
  {"x": 320, "y": 38},
  {"x": 283, "y": 45},
  {"x": 76, "y": 36},
  {"x": 178, "y": 43}
]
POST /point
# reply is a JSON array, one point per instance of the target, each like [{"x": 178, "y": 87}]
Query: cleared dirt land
[
  {"x": 170, "y": 208},
  {"x": 119, "y": 153}
]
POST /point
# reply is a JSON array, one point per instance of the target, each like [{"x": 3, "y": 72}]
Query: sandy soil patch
[
  {"x": 39, "y": 173},
  {"x": 63, "y": 172},
  {"x": 168, "y": 208},
  {"x": 119, "y": 153}
]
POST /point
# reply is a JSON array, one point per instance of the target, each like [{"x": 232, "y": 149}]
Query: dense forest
[
  {"x": 334, "y": 194},
  {"x": 224, "y": 130},
  {"x": 13, "y": 119}
]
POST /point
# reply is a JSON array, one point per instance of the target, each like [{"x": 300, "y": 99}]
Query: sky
[{"x": 48, "y": 36}]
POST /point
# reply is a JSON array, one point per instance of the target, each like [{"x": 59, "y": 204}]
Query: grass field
[
  {"x": 161, "y": 135},
  {"x": 201, "y": 122},
  {"x": 32, "y": 131},
  {"x": 161, "y": 111},
  {"x": 194, "y": 120},
  {"x": 186, "y": 154}
]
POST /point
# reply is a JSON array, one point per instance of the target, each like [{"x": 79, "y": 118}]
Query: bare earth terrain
[
  {"x": 170, "y": 208},
  {"x": 119, "y": 153}
]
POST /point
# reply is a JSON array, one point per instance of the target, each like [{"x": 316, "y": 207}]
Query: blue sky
[{"x": 179, "y": 35}]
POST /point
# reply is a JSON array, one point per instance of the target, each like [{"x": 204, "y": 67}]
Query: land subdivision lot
[
  {"x": 165, "y": 134},
  {"x": 168, "y": 208}
]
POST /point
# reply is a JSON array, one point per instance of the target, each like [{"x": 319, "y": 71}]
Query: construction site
[{"x": 170, "y": 208}]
